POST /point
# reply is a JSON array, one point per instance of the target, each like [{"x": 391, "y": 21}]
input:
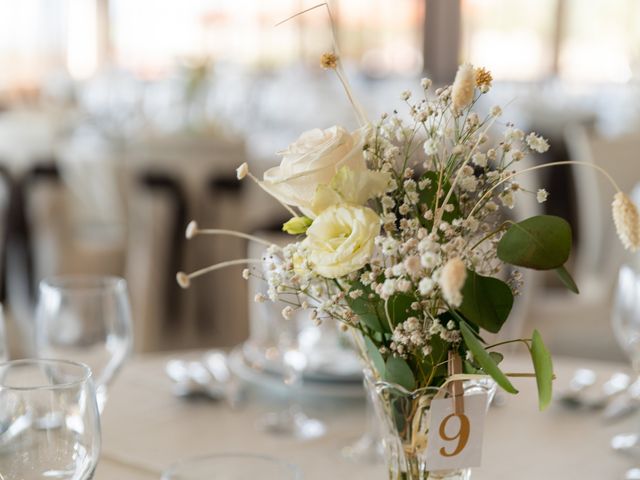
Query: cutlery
[
  {"x": 625, "y": 404},
  {"x": 617, "y": 383},
  {"x": 582, "y": 379}
]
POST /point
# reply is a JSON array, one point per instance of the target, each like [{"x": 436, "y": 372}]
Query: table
[{"x": 145, "y": 429}]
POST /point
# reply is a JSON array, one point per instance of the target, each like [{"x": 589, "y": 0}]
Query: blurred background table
[{"x": 145, "y": 429}]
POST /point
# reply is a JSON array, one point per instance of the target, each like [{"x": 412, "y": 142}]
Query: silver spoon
[{"x": 582, "y": 379}]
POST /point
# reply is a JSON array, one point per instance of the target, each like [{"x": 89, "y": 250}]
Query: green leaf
[
  {"x": 486, "y": 301},
  {"x": 374, "y": 355},
  {"x": 436, "y": 360},
  {"x": 397, "y": 370},
  {"x": 567, "y": 279},
  {"x": 428, "y": 197},
  {"x": 497, "y": 357},
  {"x": 541, "y": 243},
  {"x": 399, "y": 307},
  {"x": 484, "y": 360},
  {"x": 369, "y": 310},
  {"x": 543, "y": 366}
]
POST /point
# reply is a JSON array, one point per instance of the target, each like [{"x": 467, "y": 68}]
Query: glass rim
[
  {"x": 467, "y": 385},
  {"x": 82, "y": 282},
  {"x": 175, "y": 467},
  {"x": 83, "y": 378}
]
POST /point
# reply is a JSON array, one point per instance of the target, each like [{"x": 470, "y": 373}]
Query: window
[{"x": 576, "y": 40}]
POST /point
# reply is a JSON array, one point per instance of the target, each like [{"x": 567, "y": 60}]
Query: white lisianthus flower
[
  {"x": 463, "y": 87},
  {"x": 451, "y": 281},
  {"x": 350, "y": 187},
  {"x": 341, "y": 240},
  {"x": 313, "y": 160}
]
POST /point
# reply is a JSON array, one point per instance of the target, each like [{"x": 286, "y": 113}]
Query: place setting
[{"x": 296, "y": 241}]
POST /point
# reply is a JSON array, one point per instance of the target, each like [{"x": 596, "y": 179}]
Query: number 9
[{"x": 462, "y": 436}]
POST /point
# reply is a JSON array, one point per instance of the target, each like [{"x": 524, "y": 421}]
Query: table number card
[{"x": 455, "y": 441}]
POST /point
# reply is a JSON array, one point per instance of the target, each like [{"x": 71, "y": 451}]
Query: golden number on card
[{"x": 462, "y": 436}]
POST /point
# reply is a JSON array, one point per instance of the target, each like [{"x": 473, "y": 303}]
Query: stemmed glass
[
  {"x": 4, "y": 346},
  {"x": 33, "y": 390},
  {"x": 292, "y": 420},
  {"x": 86, "y": 319},
  {"x": 625, "y": 319}
]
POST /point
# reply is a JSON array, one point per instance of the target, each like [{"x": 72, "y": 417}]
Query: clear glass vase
[{"x": 404, "y": 421}]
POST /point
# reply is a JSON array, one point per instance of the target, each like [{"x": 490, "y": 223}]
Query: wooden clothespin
[{"x": 456, "y": 388}]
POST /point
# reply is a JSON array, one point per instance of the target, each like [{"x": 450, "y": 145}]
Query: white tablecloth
[{"x": 145, "y": 429}]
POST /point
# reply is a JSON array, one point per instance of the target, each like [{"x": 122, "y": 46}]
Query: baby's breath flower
[
  {"x": 287, "y": 312},
  {"x": 542, "y": 195},
  {"x": 260, "y": 298},
  {"x": 430, "y": 146},
  {"x": 507, "y": 198},
  {"x": 425, "y": 286},
  {"x": 406, "y": 95},
  {"x": 480, "y": 159},
  {"x": 496, "y": 111},
  {"x": 627, "y": 221},
  {"x": 537, "y": 143},
  {"x": 242, "y": 171},
  {"x": 425, "y": 83},
  {"x": 246, "y": 274}
]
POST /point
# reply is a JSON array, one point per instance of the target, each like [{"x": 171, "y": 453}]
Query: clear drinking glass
[
  {"x": 232, "y": 467},
  {"x": 32, "y": 447},
  {"x": 625, "y": 320},
  {"x": 86, "y": 319},
  {"x": 292, "y": 421}
]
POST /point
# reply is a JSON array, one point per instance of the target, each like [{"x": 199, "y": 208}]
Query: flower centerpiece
[{"x": 399, "y": 233}]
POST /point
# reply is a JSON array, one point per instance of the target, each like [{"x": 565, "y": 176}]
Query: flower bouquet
[{"x": 399, "y": 234}]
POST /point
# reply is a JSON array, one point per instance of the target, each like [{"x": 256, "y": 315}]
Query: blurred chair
[
  {"x": 157, "y": 218},
  {"x": 580, "y": 324}
]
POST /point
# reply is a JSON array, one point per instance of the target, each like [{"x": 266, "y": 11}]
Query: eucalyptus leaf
[
  {"x": 486, "y": 301},
  {"x": 497, "y": 357},
  {"x": 428, "y": 196},
  {"x": 542, "y": 243},
  {"x": 369, "y": 310},
  {"x": 399, "y": 307},
  {"x": 375, "y": 356},
  {"x": 567, "y": 279},
  {"x": 543, "y": 366},
  {"x": 484, "y": 360},
  {"x": 397, "y": 370}
]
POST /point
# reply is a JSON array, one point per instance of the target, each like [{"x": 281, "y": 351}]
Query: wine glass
[
  {"x": 237, "y": 466},
  {"x": 31, "y": 448},
  {"x": 625, "y": 319},
  {"x": 4, "y": 345},
  {"x": 292, "y": 421},
  {"x": 86, "y": 319}
]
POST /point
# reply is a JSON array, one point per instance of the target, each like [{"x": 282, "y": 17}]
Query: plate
[{"x": 272, "y": 381}]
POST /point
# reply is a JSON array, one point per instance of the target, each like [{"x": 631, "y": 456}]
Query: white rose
[
  {"x": 313, "y": 160},
  {"x": 341, "y": 240}
]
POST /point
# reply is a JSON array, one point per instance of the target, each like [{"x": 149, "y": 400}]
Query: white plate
[{"x": 271, "y": 381}]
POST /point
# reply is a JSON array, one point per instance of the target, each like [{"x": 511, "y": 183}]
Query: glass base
[
  {"x": 293, "y": 424},
  {"x": 366, "y": 449}
]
